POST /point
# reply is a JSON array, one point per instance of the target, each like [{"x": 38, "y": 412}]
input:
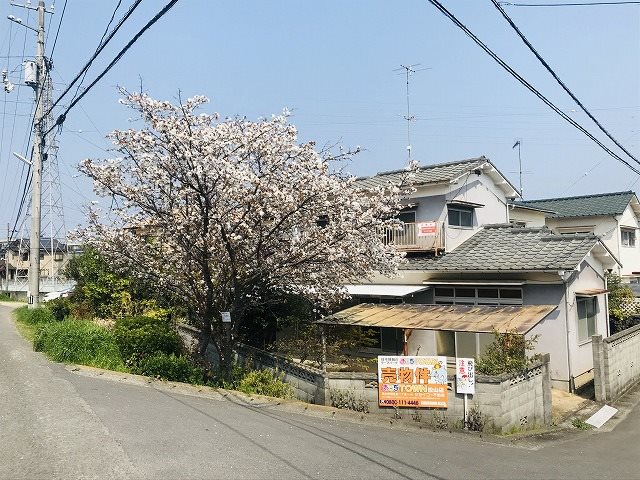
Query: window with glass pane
[
  {"x": 444, "y": 292},
  {"x": 628, "y": 237},
  {"x": 460, "y": 216},
  {"x": 446, "y": 343},
  {"x": 407, "y": 217},
  {"x": 587, "y": 311},
  {"x": 466, "y": 344}
]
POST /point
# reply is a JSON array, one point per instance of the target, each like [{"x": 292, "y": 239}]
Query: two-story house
[
  {"x": 14, "y": 271},
  {"x": 486, "y": 274},
  {"x": 450, "y": 203},
  {"x": 614, "y": 217}
]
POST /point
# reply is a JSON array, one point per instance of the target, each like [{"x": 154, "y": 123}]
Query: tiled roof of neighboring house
[
  {"x": 511, "y": 248},
  {"x": 45, "y": 244},
  {"x": 437, "y": 173},
  {"x": 583, "y": 206}
]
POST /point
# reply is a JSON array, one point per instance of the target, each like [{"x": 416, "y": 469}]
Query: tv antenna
[{"x": 408, "y": 71}]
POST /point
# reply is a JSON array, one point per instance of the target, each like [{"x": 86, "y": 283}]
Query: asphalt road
[{"x": 60, "y": 424}]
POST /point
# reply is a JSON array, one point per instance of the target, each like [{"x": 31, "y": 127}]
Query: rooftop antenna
[
  {"x": 518, "y": 144},
  {"x": 408, "y": 71}
]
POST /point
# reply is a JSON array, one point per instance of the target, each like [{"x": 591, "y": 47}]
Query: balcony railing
[
  {"x": 417, "y": 237},
  {"x": 46, "y": 285}
]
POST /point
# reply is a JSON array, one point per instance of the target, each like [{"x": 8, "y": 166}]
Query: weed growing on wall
[{"x": 347, "y": 399}]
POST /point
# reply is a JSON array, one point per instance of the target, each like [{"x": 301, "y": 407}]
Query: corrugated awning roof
[
  {"x": 591, "y": 292},
  {"x": 384, "y": 290},
  {"x": 459, "y": 318}
]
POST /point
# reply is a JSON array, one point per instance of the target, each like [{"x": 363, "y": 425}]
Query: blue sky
[{"x": 332, "y": 63}]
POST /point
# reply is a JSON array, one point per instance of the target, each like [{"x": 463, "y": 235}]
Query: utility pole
[
  {"x": 36, "y": 169},
  {"x": 35, "y": 78}
]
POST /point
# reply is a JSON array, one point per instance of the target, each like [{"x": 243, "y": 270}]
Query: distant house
[
  {"x": 614, "y": 217},
  {"x": 14, "y": 269},
  {"x": 451, "y": 202}
]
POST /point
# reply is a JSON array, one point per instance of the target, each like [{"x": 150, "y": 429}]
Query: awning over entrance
[
  {"x": 372, "y": 290},
  {"x": 460, "y": 318},
  {"x": 591, "y": 292}
]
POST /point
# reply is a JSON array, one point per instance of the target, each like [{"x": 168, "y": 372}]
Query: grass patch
[
  {"x": 170, "y": 367},
  {"x": 581, "y": 424},
  {"x": 5, "y": 297},
  {"x": 29, "y": 321},
  {"x": 79, "y": 341}
]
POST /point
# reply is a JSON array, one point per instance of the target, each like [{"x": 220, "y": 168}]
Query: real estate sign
[
  {"x": 465, "y": 375},
  {"x": 405, "y": 381},
  {"x": 427, "y": 229}
]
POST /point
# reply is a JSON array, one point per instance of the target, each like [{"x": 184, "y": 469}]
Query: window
[
  {"x": 478, "y": 296},
  {"x": 628, "y": 237},
  {"x": 587, "y": 311},
  {"x": 407, "y": 216},
  {"x": 57, "y": 256},
  {"x": 460, "y": 216},
  {"x": 25, "y": 256}
]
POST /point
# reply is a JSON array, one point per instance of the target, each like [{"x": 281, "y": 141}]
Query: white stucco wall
[
  {"x": 608, "y": 229},
  {"x": 431, "y": 205},
  {"x": 531, "y": 218},
  {"x": 629, "y": 256}
]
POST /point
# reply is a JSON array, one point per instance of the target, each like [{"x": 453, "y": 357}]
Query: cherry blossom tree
[{"x": 222, "y": 213}]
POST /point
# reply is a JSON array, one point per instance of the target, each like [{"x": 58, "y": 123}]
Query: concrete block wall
[
  {"x": 616, "y": 361},
  {"x": 506, "y": 401},
  {"x": 308, "y": 383}
]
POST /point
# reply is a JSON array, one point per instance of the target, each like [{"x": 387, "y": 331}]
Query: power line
[
  {"x": 55, "y": 40},
  {"x": 101, "y": 47},
  {"x": 524, "y": 82},
  {"x": 573, "y": 4},
  {"x": 560, "y": 82},
  {"x": 104, "y": 34},
  {"x": 160, "y": 14}
]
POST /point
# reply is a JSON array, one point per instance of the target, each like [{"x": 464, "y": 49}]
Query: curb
[{"x": 530, "y": 440}]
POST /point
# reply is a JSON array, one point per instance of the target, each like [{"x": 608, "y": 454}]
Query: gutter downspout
[
  {"x": 606, "y": 306},
  {"x": 566, "y": 321}
]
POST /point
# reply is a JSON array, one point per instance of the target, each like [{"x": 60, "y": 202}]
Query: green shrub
[
  {"x": 35, "y": 316},
  {"x": 138, "y": 337},
  {"x": 169, "y": 367},
  {"x": 78, "y": 341},
  {"x": 60, "y": 308},
  {"x": 507, "y": 354},
  {"x": 265, "y": 382}
]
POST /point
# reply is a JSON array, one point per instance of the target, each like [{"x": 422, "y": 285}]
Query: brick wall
[{"x": 616, "y": 361}]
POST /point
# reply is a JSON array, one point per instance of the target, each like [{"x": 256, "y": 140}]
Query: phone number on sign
[{"x": 387, "y": 401}]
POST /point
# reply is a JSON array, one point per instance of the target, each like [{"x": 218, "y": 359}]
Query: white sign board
[
  {"x": 427, "y": 229},
  {"x": 465, "y": 375},
  {"x": 226, "y": 317}
]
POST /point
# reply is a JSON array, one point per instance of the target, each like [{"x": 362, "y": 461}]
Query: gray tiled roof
[
  {"x": 441, "y": 172},
  {"x": 510, "y": 248},
  {"x": 583, "y": 206}
]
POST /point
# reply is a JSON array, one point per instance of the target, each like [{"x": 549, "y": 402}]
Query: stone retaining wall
[{"x": 616, "y": 362}]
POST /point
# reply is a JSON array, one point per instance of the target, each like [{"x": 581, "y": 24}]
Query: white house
[
  {"x": 614, "y": 217},
  {"x": 450, "y": 203},
  {"x": 487, "y": 274}
]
